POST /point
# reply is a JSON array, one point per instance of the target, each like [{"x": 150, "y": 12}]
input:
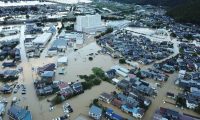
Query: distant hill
[
  {"x": 181, "y": 10},
  {"x": 170, "y": 3},
  {"x": 189, "y": 12}
]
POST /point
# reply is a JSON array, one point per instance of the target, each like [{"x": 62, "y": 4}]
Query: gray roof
[
  {"x": 106, "y": 95},
  {"x": 59, "y": 42},
  {"x": 19, "y": 113},
  {"x": 48, "y": 74},
  {"x": 10, "y": 72}
]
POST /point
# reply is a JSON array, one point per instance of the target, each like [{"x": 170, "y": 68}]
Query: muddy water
[
  {"x": 78, "y": 63},
  {"x": 75, "y": 67},
  {"x": 158, "y": 101}
]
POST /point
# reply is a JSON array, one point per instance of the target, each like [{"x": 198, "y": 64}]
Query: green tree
[
  {"x": 173, "y": 35},
  {"x": 95, "y": 101},
  {"x": 98, "y": 72},
  {"x": 188, "y": 37},
  {"x": 197, "y": 109},
  {"x": 122, "y": 61},
  {"x": 96, "y": 82},
  {"x": 87, "y": 85},
  {"x": 180, "y": 101},
  {"x": 57, "y": 100},
  {"x": 27, "y": 16}
]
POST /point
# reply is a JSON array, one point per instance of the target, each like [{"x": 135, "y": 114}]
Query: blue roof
[
  {"x": 113, "y": 115},
  {"x": 20, "y": 113},
  {"x": 124, "y": 107},
  {"x": 77, "y": 85},
  {"x": 132, "y": 110},
  {"x": 122, "y": 97},
  {"x": 135, "y": 110},
  {"x": 95, "y": 110},
  {"x": 109, "y": 111},
  {"x": 196, "y": 94},
  {"x": 117, "y": 117}
]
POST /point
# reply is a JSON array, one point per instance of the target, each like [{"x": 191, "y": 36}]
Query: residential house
[
  {"x": 110, "y": 114},
  {"x": 196, "y": 76},
  {"x": 2, "y": 108},
  {"x": 116, "y": 102},
  {"x": 6, "y": 89},
  {"x": 192, "y": 99},
  {"x": 77, "y": 87},
  {"x": 140, "y": 98},
  {"x": 47, "y": 67},
  {"x": 197, "y": 66},
  {"x": 60, "y": 44},
  {"x": 11, "y": 73},
  {"x": 106, "y": 97},
  {"x": 8, "y": 64},
  {"x": 18, "y": 113},
  {"x": 191, "y": 104},
  {"x": 131, "y": 102},
  {"x": 47, "y": 90},
  {"x": 123, "y": 84},
  {"x": 122, "y": 97},
  {"x": 146, "y": 90},
  {"x": 65, "y": 90},
  {"x": 111, "y": 73},
  {"x": 48, "y": 76},
  {"x": 137, "y": 112},
  {"x": 169, "y": 114},
  {"x": 95, "y": 112}
]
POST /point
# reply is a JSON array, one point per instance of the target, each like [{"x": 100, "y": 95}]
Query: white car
[
  {"x": 56, "y": 118},
  {"x": 66, "y": 104},
  {"x": 51, "y": 108},
  {"x": 65, "y": 109}
]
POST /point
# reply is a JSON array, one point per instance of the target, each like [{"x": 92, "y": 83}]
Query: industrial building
[
  {"x": 42, "y": 40},
  {"x": 88, "y": 23},
  {"x": 78, "y": 37}
]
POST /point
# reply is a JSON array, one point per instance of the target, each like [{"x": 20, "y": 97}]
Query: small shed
[
  {"x": 62, "y": 61},
  {"x": 115, "y": 81}
]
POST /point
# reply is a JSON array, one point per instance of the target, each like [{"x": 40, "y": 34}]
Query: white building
[
  {"x": 181, "y": 73},
  {"x": 121, "y": 70},
  {"x": 191, "y": 105},
  {"x": 62, "y": 61},
  {"x": 42, "y": 40},
  {"x": 9, "y": 32},
  {"x": 115, "y": 81},
  {"x": 2, "y": 108},
  {"x": 118, "y": 24},
  {"x": 88, "y": 23}
]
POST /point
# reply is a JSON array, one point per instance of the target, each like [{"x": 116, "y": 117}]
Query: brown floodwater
[{"x": 79, "y": 64}]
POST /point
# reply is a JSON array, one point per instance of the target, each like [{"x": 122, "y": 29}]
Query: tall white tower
[{"x": 87, "y": 22}]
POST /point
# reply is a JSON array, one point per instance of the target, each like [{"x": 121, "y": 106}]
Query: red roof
[
  {"x": 117, "y": 102},
  {"x": 131, "y": 76},
  {"x": 63, "y": 85}
]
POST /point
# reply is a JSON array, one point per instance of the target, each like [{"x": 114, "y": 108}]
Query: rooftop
[{"x": 95, "y": 110}]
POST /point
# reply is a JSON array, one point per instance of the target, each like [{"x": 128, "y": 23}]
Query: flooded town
[{"x": 96, "y": 60}]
